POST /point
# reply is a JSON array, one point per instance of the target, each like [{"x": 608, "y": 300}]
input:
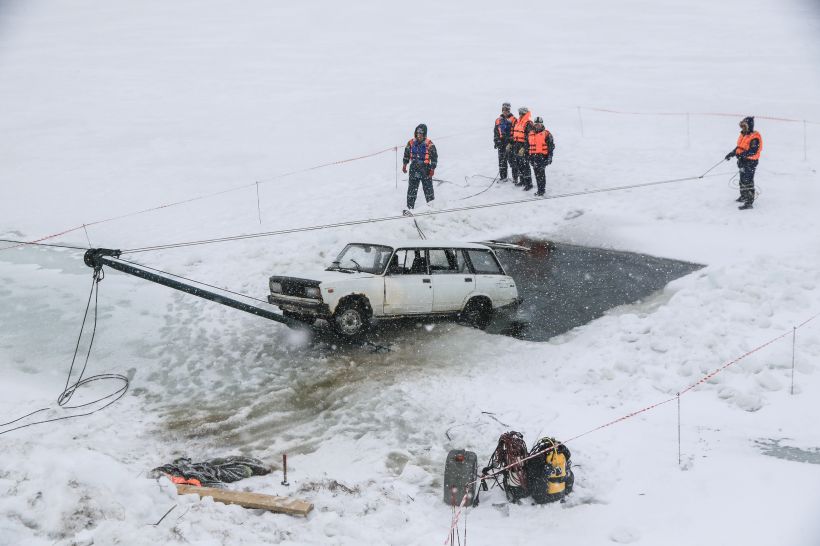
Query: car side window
[
  {"x": 462, "y": 264},
  {"x": 408, "y": 261},
  {"x": 443, "y": 261},
  {"x": 484, "y": 263},
  {"x": 398, "y": 263},
  {"x": 419, "y": 265}
]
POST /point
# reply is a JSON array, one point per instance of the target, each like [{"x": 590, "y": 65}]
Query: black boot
[
  {"x": 739, "y": 199},
  {"x": 745, "y": 206}
]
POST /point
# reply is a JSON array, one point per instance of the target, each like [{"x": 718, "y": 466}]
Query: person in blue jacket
[{"x": 420, "y": 153}]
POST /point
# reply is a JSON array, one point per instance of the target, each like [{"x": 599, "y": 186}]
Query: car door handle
[
  {"x": 468, "y": 279},
  {"x": 425, "y": 281}
]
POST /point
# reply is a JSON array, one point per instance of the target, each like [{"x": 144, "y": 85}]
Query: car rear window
[{"x": 484, "y": 262}]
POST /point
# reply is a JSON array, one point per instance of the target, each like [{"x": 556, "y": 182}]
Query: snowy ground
[{"x": 115, "y": 107}]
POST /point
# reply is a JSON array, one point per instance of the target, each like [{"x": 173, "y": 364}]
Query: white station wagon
[{"x": 387, "y": 281}]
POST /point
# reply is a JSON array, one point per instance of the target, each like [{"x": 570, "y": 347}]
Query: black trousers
[
  {"x": 505, "y": 157},
  {"x": 522, "y": 160},
  {"x": 539, "y": 165},
  {"x": 747, "y": 180},
  {"x": 418, "y": 174}
]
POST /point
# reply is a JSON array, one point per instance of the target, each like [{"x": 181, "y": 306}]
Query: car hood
[{"x": 320, "y": 276}]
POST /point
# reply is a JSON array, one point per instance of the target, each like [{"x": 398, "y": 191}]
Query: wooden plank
[{"x": 283, "y": 505}]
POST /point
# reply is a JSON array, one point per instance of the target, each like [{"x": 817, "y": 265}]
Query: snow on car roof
[{"x": 423, "y": 244}]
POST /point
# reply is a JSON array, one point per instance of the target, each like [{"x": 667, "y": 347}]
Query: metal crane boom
[{"x": 96, "y": 258}]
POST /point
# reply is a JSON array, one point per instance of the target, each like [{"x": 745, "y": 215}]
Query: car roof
[{"x": 424, "y": 244}]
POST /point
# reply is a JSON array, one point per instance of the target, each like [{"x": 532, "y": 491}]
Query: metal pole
[
  {"x": 794, "y": 341},
  {"x": 87, "y": 237},
  {"x": 678, "y": 395},
  {"x": 285, "y": 469},
  {"x": 581, "y": 120},
  {"x": 97, "y": 258},
  {"x": 258, "y": 206},
  {"x": 805, "y": 142}
]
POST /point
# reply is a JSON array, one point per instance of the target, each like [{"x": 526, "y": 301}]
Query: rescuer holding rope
[
  {"x": 747, "y": 151},
  {"x": 421, "y": 154}
]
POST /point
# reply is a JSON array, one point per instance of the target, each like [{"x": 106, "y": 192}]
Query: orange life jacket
[
  {"x": 419, "y": 150},
  {"x": 744, "y": 142},
  {"x": 520, "y": 128},
  {"x": 538, "y": 142},
  {"x": 504, "y": 125},
  {"x": 186, "y": 481}
]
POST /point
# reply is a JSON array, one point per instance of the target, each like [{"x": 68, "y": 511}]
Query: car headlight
[
  {"x": 276, "y": 287},
  {"x": 313, "y": 292}
]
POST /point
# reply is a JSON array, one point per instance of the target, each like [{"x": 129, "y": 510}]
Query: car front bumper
[{"x": 302, "y": 306}]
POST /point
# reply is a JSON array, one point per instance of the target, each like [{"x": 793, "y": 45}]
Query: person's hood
[
  {"x": 751, "y": 121},
  {"x": 526, "y": 117},
  {"x": 421, "y": 127}
]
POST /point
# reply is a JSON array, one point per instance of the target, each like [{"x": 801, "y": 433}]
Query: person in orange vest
[
  {"x": 502, "y": 140},
  {"x": 521, "y": 147},
  {"x": 747, "y": 152},
  {"x": 421, "y": 154},
  {"x": 542, "y": 146}
]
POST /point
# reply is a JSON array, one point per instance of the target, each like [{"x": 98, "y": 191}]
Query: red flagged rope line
[
  {"x": 456, "y": 516},
  {"x": 341, "y": 161},
  {"x": 126, "y": 215},
  {"x": 716, "y": 371},
  {"x": 715, "y": 114},
  {"x": 41, "y": 239},
  {"x": 330, "y": 164},
  {"x": 221, "y": 192},
  {"x": 462, "y": 505},
  {"x": 197, "y": 198}
]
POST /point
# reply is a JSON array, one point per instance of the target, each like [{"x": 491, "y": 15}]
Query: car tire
[
  {"x": 307, "y": 319},
  {"x": 350, "y": 319},
  {"x": 477, "y": 313}
]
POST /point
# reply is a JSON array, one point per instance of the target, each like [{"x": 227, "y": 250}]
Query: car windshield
[{"x": 362, "y": 258}]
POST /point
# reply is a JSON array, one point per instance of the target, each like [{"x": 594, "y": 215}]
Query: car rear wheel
[
  {"x": 350, "y": 319},
  {"x": 477, "y": 313}
]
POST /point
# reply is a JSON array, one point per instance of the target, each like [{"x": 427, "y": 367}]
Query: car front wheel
[{"x": 350, "y": 319}]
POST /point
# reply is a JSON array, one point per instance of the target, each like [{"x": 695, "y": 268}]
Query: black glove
[
  {"x": 495, "y": 144},
  {"x": 549, "y": 160},
  {"x": 729, "y": 156}
]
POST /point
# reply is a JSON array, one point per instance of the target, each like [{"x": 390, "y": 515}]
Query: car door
[
  {"x": 452, "y": 279},
  {"x": 408, "y": 289}
]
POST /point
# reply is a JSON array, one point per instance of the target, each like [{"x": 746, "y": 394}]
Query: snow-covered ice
[{"x": 116, "y": 107}]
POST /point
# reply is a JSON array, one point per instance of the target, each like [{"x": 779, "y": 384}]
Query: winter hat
[
  {"x": 750, "y": 121},
  {"x": 523, "y": 110},
  {"x": 421, "y": 128},
  {"x": 540, "y": 120},
  {"x": 505, "y": 106}
]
